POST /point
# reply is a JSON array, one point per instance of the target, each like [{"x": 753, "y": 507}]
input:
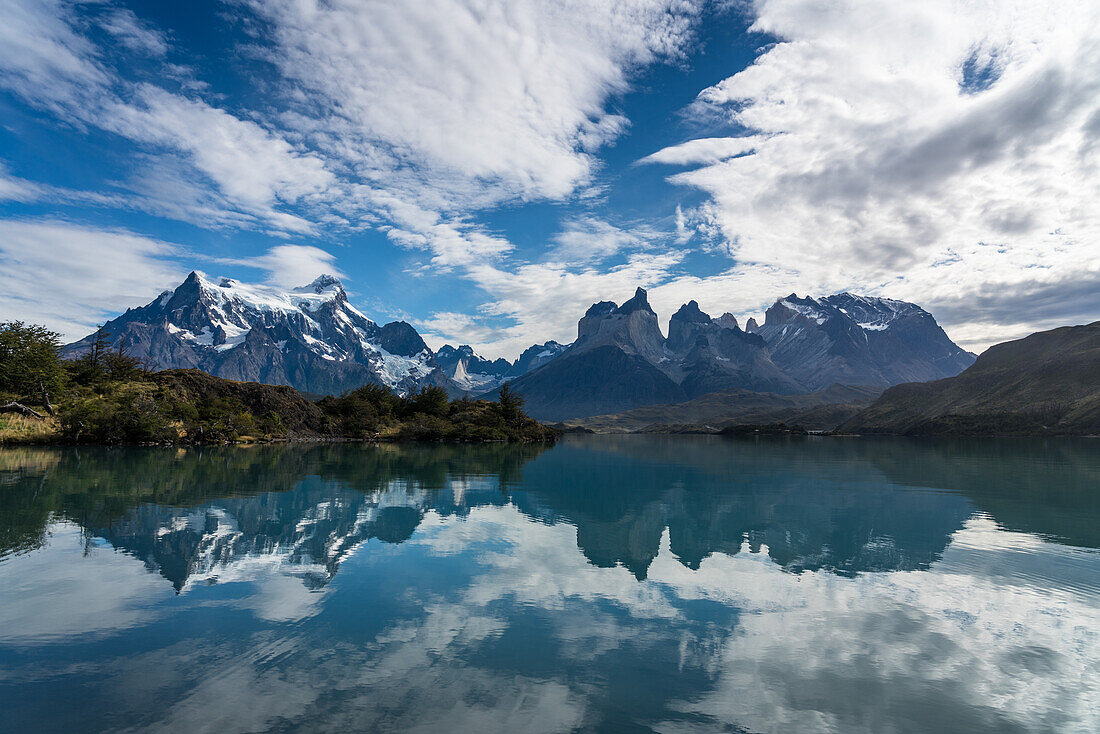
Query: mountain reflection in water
[{"x": 607, "y": 584}]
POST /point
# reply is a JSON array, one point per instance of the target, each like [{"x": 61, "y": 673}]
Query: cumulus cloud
[
  {"x": 69, "y": 277},
  {"x": 931, "y": 151}
]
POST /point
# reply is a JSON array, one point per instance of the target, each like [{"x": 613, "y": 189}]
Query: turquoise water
[{"x": 619, "y": 584}]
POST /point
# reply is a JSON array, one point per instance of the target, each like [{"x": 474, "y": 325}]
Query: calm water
[{"x": 607, "y": 584}]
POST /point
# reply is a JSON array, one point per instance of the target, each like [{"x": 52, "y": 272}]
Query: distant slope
[
  {"x": 1046, "y": 383},
  {"x": 821, "y": 410}
]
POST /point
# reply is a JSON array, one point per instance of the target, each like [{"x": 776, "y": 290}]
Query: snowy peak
[
  {"x": 322, "y": 284},
  {"x": 865, "y": 312},
  {"x": 858, "y": 340},
  {"x": 309, "y": 337},
  {"x": 536, "y": 356},
  {"x": 471, "y": 372},
  {"x": 874, "y": 314}
]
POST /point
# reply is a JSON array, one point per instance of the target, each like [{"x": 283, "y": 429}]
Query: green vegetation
[
  {"x": 29, "y": 359},
  {"x": 107, "y": 397},
  {"x": 430, "y": 415}
]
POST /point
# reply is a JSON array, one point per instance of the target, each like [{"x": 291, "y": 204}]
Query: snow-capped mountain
[
  {"x": 858, "y": 340},
  {"x": 535, "y": 357},
  {"x": 309, "y": 337},
  {"x": 469, "y": 371},
  {"x": 313, "y": 339},
  {"x": 621, "y": 360}
]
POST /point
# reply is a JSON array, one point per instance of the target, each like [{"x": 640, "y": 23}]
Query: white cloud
[
  {"x": 254, "y": 168},
  {"x": 587, "y": 238},
  {"x": 704, "y": 151},
  {"x": 891, "y": 140},
  {"x": 246, "y": 168},
  {"x": 132, "y": 33},
  {"x": 289, "y": 266},
  {"x": 485, "y": 100},
  {"x": 13, "y": 188},
  {"x": 544, "y": 300},
  {"x": 69, "y": 276}
]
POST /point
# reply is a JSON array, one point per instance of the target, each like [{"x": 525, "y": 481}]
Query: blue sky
[{"x": 487, "y": 169}]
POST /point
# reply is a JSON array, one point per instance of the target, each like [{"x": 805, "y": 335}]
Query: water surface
[{"x": 619, "y": 584}]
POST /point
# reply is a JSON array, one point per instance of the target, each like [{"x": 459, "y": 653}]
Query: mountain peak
[
  {"x": 727, "y": 321},
  {"x": 690, "y": 312},
  {"x": 640, "y": 302},
  {"x": 323, "y": 283},
  {"x": 601, "y": 308}
]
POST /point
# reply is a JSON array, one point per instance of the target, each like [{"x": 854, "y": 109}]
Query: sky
[{"x": 487, "y": 169}]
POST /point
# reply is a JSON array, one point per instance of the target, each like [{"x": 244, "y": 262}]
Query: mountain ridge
[
  {"x": 621, "y": 361},
  {"x": 312, "y": 338}
]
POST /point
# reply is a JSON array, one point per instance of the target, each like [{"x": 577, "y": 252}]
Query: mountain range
[
  {"x": 621, "y": 360},
  {"x": 310, "y": 338},
  {"x": 313, "y": 339}
]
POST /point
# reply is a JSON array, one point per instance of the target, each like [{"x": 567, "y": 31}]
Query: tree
[
  {"x": 30, "y": 360},
  {"x": 430, "y": 400},
  {"x": 99, "y": 348},
  {"x": 511, "y": 402}
]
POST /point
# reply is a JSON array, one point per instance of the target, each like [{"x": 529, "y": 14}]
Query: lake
[{"x": 617, "y": 584}]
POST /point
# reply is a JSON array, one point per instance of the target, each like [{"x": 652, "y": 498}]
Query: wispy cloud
[{"x": 69, "y": 276}]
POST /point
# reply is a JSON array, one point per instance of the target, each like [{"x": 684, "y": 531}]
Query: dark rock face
[
  {"x": 857, "y": 340},
  {"x": 402, "y": 339},
  {"x": 535, "y": 357},
  {"x": 621, "y": 360},
  {"x": 604, "y": 379},
  {"x": 310, "y": 338}
]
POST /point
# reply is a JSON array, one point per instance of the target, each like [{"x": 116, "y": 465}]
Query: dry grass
[{"x": 20, "y": 429}]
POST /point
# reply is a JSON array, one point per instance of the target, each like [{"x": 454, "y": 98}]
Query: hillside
[
  {"x": 1046, "y": 383},
  {"x": 820, "y": 410}
]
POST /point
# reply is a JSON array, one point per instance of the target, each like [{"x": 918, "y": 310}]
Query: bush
[{"x": 97, "y": 420}]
